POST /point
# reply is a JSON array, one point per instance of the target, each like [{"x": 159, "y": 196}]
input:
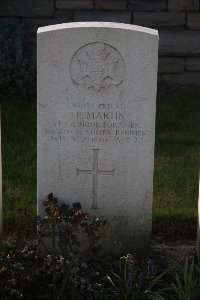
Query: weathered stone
[
  {"x": 96, "y": 125},
  {"x": 179, "y": 43},
  {"x": 170, "y": 65},
  {"x": 186, "y": 79},
  {"x": 27, "y": 8},
  {"x": 159, "y": 19},
  {"x": 192, "y": 64},
  {"x": 110, "y": 4},
  {"x": 147, "y": 5},
  {"x": 74, "y": 4},
  {"x": 107, "y": 16},
  {"x": 180, "y": 5},
  {"x": 193, "y": 20}
]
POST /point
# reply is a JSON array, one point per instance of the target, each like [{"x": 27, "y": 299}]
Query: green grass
[
  {"x": 18, "y": 158},
  {"x": 177, "y": 156}
]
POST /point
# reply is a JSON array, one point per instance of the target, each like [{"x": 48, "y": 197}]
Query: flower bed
[{"x": 60, "y": 273}]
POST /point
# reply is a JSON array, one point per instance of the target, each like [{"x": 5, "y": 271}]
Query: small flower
[
  {"x": 11, "y": 254},
  {"x": 18, "y": 266},
  {"x": 129, "y": 258},
  {"x": 84, "y": 265},
  {"x": 150, "y": 267},
  {"x": 61, "y": 260},
  {"x": 97, "y": 221},
  {"x": 3, "y": 269},
  {"x": 140, "y": 278},
  {"x": 129, "y": 281},
  {"x": 16, "y": 294},
  {"x": 12, "y": 282},
  {"x": 85, "y": 215},
  {"x": 25, "y": 249},
  {"x": 55, "y": 211}
]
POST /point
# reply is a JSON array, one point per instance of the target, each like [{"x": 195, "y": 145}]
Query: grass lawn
[
  {"x": 177, "y": 157},
  {"x": 18, "y": 158}
]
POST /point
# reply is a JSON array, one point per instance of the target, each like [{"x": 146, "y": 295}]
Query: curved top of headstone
[{"x": 97, "y": 25}]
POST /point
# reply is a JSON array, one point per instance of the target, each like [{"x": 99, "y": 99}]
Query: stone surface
[
  {"x": 193, "y": 20},
  {"x": 111, "y": 4},
  {"x": 183, "y": 5},
  {"x": 147, "y": 5},
  {"x": 159, "y": 19},
  {"x": 96, "y": 125},
  {"x": 192, "y": 64},
  {"x": 170, "y": 65},
  {"x": 74, "y": 4},
  {"x": 187, "y": 79},
  {"x": 179, "y": 43},
  {"x": 120, "y": 17},
  {"x": 26, "y": 8}
]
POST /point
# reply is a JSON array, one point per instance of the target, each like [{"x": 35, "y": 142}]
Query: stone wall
[{"x": 178, "y": 22}]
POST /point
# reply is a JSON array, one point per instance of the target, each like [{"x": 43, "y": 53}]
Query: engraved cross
[{"x": 95, "y": 172}]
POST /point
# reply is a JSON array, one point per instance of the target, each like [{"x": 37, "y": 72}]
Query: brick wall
[{"x": 178, "y": 22}]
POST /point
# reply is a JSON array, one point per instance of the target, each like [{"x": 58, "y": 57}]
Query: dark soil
[
  {"x": 173, "y": 240},
  {"x": 174, "y": 230}
]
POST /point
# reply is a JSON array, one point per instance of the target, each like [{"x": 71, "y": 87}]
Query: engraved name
[{"x": 98, "y": 115}]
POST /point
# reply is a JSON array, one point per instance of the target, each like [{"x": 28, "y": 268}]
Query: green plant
[
  {"x": 59, "y": 272},
  {"x": 137, "y": 282},
  {"x": 177, "y": 156},
  {"x": 19, "y": 156},
  {"x": 187, "y": 285},
  {"x": 17, "y": 65},
  {"x": 67, "y": 229}
]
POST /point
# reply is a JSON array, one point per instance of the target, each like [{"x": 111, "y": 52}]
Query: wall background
[{"x": 178, "y": 22}]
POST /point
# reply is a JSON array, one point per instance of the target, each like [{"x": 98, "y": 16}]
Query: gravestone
[{"x": 96, "y": 124}]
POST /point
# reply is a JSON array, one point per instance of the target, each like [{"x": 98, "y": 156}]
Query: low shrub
[
  {"x": 187, "y": 281},
  {"x": 61, "y": 273},
  {"x": 17, "y": 65}
]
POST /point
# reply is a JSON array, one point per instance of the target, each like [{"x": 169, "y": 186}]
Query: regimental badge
[{"x": 97, "y": 67}]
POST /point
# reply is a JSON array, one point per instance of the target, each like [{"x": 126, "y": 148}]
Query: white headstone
[{"x": 96, "y": 124}]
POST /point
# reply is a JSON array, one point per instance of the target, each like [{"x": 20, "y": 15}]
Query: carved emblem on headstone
[{"x": 97, "y": 66}]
